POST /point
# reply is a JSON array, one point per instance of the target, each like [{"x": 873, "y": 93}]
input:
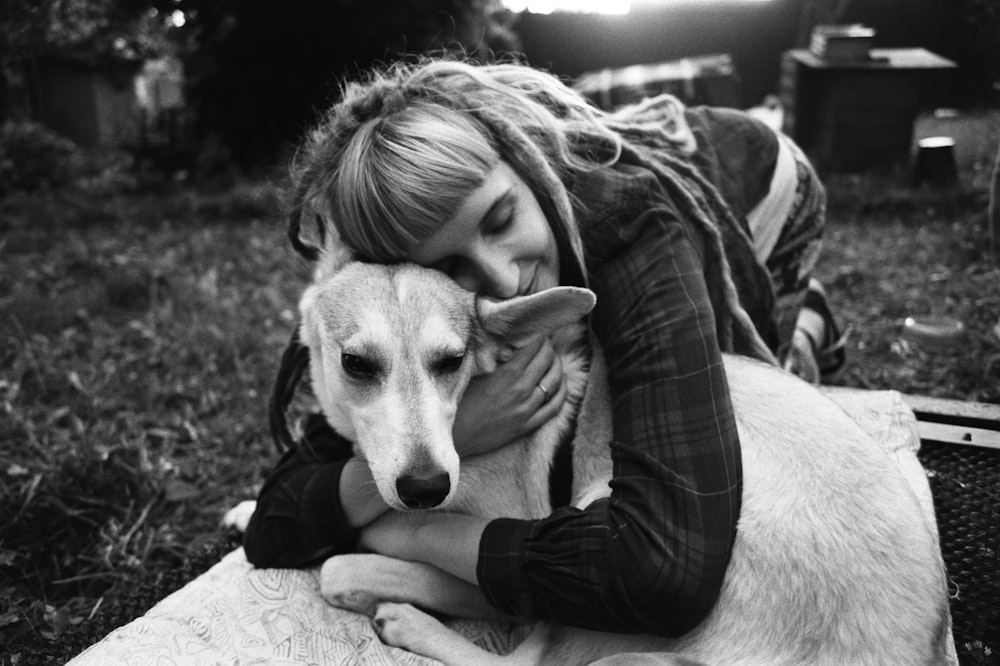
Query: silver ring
[{"x": 545, "y": 393}]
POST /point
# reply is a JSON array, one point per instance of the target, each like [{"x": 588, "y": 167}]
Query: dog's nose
[{"x": 422, "y": 493}]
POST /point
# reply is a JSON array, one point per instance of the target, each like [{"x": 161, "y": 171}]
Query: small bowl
[{"x": 933, "y": 333}]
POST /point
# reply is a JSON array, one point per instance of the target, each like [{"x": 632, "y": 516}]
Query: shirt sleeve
[
  {"x": 299, "y": 520},
  {"x": 652, "y": 557}
]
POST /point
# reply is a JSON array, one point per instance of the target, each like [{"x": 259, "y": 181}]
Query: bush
[{"x": 33, "y": 157}]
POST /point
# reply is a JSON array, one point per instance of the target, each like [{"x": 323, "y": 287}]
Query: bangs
[{"x": 403, "y": 176}]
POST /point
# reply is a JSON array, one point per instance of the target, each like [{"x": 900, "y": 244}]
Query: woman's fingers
[
  {"x": 546, "y": 372},
  {"x": 548, "y": 408},
  {"x": 515, "y": 399}
]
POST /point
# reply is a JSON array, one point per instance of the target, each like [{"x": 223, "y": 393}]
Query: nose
[
  {"x": 422, "y": 492},
  {"x": 487, "y": 273}
]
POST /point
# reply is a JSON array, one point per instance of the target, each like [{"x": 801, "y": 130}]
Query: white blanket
[{"x": 235, "y": 614}]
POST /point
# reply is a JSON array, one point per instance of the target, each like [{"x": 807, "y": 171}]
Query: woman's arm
[
  {"x": 652, "y": 557},
  {"x": 299, "y": 519}
]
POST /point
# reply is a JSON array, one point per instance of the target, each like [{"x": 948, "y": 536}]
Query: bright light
[
  {"x": 177, "y": 18},
  {"x": 661, "y": 3},
  {"x": 579, "y": 6},
  {"x": 600, "y": 6}
]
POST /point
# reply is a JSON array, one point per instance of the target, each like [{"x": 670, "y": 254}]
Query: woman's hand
[{"x": 507, "y": 403}]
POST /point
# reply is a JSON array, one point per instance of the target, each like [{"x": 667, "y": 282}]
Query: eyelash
[
  {"x": 501, "y": 226},
  {"x": 448, "y": 266}
]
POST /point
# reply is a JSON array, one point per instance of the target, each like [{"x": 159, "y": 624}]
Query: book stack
[{"x": 842, "y": 42}]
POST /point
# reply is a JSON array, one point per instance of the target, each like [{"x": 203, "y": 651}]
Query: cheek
[
  {"x": 545, "y": 247},
  {"x": 538, "y": 239}
]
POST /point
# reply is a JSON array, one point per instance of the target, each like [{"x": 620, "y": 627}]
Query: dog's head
[{"x": 392, "y": 349}]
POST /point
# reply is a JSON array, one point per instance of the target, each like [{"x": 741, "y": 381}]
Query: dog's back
[{"x": 834, "y": 561}]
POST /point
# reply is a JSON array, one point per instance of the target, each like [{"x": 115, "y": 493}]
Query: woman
[{"x": 697, "y": 229}]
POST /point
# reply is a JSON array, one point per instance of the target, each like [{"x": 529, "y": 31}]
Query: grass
[
  {"x": 140, "y": 331},
  {"x": 138, "y": 340},
  {"x": 892, "y": 252}
]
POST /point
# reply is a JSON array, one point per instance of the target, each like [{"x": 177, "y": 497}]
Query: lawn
[
  {"x": 140, "y": 331},
  {"x": 138, "y": 340}
]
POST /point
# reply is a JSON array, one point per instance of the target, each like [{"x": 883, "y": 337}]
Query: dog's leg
[{"x": 360, "y": 582}]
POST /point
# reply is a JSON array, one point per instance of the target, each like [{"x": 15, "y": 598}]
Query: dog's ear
[{"x": 515, "y": 320}]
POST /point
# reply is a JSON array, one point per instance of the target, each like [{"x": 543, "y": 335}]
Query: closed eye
[
  {"x": 500, "y": 225},
  {"x": 358, "y": 366},
  {"x": 448, "y": 365}
]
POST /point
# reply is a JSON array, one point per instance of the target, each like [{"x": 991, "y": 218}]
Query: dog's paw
[
  {"x": 407, "y": 627},
  {"x": 239, "y": 516},
  {"x": 353, "y": 582}
]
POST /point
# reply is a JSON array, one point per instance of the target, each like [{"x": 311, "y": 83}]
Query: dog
[{"x": 834, "y": 561}]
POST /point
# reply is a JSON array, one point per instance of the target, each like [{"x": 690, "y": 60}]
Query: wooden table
[{"x": 850, "y": 115}]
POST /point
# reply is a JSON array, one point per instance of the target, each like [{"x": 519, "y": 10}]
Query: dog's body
[{"x": 834, "y": 561}]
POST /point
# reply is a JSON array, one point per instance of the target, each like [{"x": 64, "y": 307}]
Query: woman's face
[{"x": 499, "y": 243}]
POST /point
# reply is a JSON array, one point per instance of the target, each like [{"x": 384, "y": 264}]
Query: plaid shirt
[{"x": 651, "y": 558}]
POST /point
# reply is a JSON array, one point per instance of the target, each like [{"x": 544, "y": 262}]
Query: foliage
[
  {"x": 130, "y": 403},
  {"x": 121, "y": 27},
  {"x": 260, "y": 70},
  {"x": 33, "y": 157},
  {"x": 984, "y": 18}
]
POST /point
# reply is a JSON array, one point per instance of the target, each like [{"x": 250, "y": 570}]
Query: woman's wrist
[{"x": 450, "y": 541}]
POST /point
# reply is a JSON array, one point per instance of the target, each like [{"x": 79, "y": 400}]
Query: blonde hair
[
  {"x": 393, "y": 159},
  {"x": 398, "y": 154}
]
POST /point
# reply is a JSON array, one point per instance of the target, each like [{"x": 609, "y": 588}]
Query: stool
[{"x": 934, "y": 162}]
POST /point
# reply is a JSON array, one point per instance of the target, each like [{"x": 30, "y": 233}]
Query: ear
[
  {"x": 333, "y": 255},
  {"x": 309, "y": 328},
  {"x": 515, "y": 320},
  {"x": 316, "y": 239}
]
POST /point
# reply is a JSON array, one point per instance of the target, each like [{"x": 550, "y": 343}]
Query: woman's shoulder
[
  {"x": 736, "y": 152},
  {"x": 612, "y": 190},
  {"x": 610, "y": 201}
]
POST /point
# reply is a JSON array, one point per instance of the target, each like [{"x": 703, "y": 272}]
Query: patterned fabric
[{"x": 236, "y": 614}]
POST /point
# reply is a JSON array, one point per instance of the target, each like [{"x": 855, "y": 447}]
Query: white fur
[{"x": 834, "y": 561}]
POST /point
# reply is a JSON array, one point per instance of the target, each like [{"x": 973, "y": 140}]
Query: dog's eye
[
  {"x": 449, "y": 365},
  {"x": 357, "y": 366}
]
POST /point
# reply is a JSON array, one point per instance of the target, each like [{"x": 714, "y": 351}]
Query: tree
[
  {"x": 260, "y": 70},
  {"x": 100, "y": 28}
]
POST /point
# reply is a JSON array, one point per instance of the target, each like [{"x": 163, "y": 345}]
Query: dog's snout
[{"x": 423, "y": 492}]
